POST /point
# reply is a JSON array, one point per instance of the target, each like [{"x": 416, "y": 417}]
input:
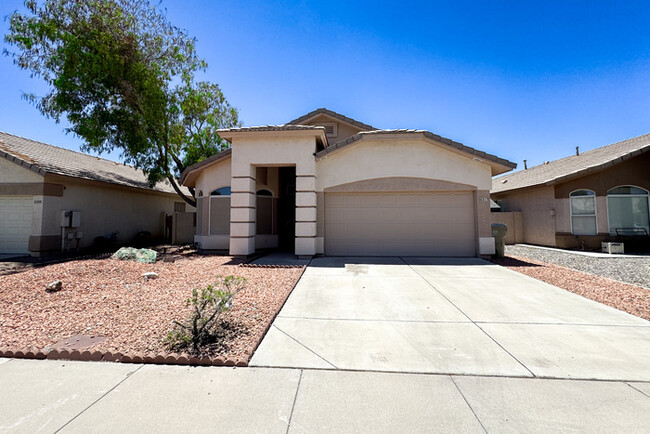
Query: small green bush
[{"x": 207, "y": 305}]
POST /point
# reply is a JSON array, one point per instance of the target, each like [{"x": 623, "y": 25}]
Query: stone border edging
[{"x": 99, "y": 356}]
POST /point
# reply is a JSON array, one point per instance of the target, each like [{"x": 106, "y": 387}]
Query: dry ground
[{"x": 110, "y": 298}]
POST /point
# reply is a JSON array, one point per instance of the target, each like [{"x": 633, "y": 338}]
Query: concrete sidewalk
[{"x": 52, "y": 396}]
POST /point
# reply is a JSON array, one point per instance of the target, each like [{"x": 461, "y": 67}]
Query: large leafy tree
[{"x": 124, "y": 77}]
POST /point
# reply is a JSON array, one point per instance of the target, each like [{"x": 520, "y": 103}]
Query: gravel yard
[
  {"x": 632, "y": 299},
  {"x": 110, "y": 298},
  {"x": 624, "y": 269}
]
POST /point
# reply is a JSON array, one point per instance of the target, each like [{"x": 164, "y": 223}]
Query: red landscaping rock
[{"x": 110, "y": 289}]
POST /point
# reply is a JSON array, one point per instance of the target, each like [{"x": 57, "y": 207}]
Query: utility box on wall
[{"x": 69, "y": 219}]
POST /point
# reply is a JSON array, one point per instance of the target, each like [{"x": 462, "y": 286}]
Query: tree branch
[{"x": 177, "y": 189}]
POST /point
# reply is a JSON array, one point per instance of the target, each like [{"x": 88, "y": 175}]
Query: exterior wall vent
[{"x": 331, "y": 129}]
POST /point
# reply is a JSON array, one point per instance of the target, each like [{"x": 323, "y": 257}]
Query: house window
[
  {"x": 583, "y": 212},
  {"x": 223, "y": 191},
  {"x": 219, "y": 211},
  {"x": 627, "y": 211}
]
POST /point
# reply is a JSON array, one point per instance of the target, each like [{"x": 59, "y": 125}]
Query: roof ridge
[
  {"x": 68, "y": 150},
  {"x": 331, "y": 113}
]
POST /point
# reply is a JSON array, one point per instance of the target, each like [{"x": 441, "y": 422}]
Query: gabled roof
[
  {"x": 505, "y": 164},
  {"x": 574, "y": 166},
  {"x": 185, "y": 176},
  {"x": 43, "y": 159},
  {"x": 330, "y": 113}
]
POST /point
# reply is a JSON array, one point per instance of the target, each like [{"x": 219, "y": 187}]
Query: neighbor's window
[
  {"x": 583, "y": 212},
  {"x": 223, "y": 191},
  {"x": 627, "y": 211}
]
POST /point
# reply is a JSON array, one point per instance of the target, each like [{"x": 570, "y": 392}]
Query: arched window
[
  {"x": 583, "y": 212},
  {"x": 264, "y": 193},
  {"x": 200, "y": 193},
  {"x": 627, "y": 211},
  {"x": 223, "y": 191}
]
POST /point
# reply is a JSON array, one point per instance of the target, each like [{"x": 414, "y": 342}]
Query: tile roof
[
  {"x": 574, "y": 166},
  {"x": 45, "y": 159},
  {"x": 427, "y": 134},
  {"x": 333, "y": 114},
  {"x": 271, "y": 128}
]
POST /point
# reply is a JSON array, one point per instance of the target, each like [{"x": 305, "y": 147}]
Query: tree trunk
[{"x": 177, "y": 189}]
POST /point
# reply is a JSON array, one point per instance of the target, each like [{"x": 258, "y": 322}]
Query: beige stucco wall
[
  {"x": 564, "y": 215},
  {"x": 13, "y": 173},
  {"x": 538, "y": 206},
  {"x": 344, "y": 130},
  {"x": 514, "y": 221},
  {"x": 106, "y": 208},
  {"x": 271, "y": 150},
  {"x": 215, "y": 176},
  {"x": 411, "y": 158}
]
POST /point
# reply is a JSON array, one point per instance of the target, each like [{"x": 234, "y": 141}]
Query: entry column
[
  {"x": 242, "y": 211},
  {"x": 305, "y": 213}
]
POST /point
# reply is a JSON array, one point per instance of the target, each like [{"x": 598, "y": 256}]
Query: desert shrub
[{"x": 207, "y": 305}]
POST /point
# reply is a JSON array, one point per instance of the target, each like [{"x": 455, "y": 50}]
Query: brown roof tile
[
  {"x": 45, "y": 159},
  {"x": 574, "y": 166}
]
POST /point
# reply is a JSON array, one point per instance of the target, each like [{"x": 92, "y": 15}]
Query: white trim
[{"x": 595, "y": 214}]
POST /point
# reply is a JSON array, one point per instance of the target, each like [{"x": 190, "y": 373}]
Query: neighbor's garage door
[
  {"x": 404, "y": 224},
  {"x": 15, "y": 223}
]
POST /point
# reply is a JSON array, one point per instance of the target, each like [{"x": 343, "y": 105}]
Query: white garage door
[
  {"x": 15, "y": 223},
  {"x": 404, "y": 224}
]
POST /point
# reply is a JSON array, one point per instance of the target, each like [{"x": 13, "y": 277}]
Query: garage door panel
[
  {"x": 15, "y": 223},
  {"x": 380, "y": 224}
]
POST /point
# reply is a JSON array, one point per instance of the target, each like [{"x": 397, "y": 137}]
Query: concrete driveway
[{"x": 450, "y": 316}]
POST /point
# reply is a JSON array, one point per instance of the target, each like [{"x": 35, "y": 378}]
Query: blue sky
[{"x": 519, "y": 79}]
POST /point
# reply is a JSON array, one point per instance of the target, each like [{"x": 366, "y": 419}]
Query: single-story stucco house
[
  {"x": 53, "y": 198},
  {"x": 582, "y": 200},
  {"x": 327, "y": 184}
]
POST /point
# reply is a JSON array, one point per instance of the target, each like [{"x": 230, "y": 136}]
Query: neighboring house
[
  {"x": 327, "y": 184},
  {"x": 582, "y": 200},
  {"x": 39, "y": 181}
]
